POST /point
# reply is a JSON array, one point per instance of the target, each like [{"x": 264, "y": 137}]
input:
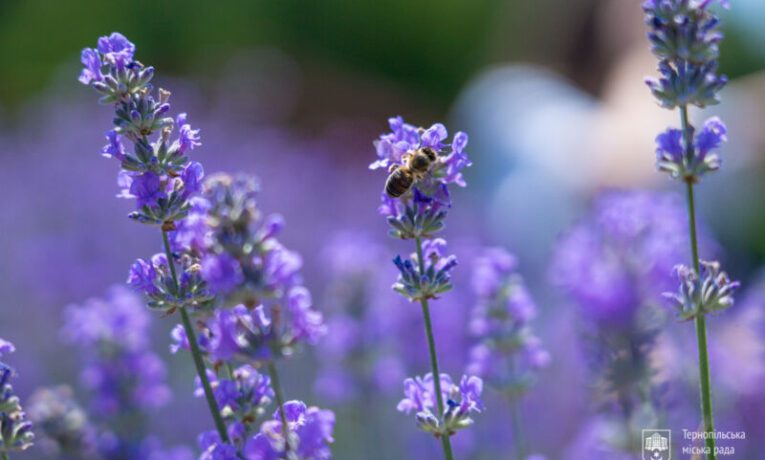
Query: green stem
[
  {"x": 515, "y": 411},
  {"x": 515, "y": 414},
  {"x": 280, "y": 402},
  {"x": 4, "y": 456},
  {"x": 701, "y": 326},
  {"x": 445, "y": 441},
  {"x": 195, "y": 353}
]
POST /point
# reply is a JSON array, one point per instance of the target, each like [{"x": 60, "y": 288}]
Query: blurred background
[{"x": 294, "y": 91}]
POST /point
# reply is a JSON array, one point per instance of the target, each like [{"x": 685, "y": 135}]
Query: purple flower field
[{"x": 273, "y": 258}]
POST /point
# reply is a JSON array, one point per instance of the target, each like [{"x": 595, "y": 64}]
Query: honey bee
[{"x": 416, "y": 165}]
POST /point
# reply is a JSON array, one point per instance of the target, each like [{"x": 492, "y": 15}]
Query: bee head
[
  {"x": 421, "y": 160},
  {"x": 430, "y": 153}
]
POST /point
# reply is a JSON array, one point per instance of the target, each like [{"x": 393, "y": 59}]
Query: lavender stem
[
  {"x": 195, "y": 353},
  {"x": 701, "y": 327},
  {"x": 445, "y": 442},
  {"x": 515, "y": 412}
]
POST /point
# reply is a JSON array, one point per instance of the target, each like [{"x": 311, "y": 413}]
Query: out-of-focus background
[{"x": 294, "y": 91}]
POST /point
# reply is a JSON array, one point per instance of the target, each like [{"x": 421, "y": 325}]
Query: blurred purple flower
[
  {"x": 507, "y": 354},
  {"x": 121, "y": 371},
  {"x": 621, "y": 256}
]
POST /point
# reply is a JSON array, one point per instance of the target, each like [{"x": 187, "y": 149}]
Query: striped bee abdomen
[{"x": 398, "y": 183}]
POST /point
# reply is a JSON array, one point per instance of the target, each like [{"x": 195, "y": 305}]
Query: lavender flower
[
  {"x": 684, "y": 36},
  {"x": 433, "y": 280},
  {"x": 157, "y": 173},
  {"x": 688, "y": 163},
  {"x": 310, "y": 433},
  {"x": 243, "y": 395},
  {"x": 15, "y": 430},
  {"x": 421, "y": 211},
  {"x": 507, "y": 354},
  {"x": 310, "y": 430},
  {"x": 462, "y": 400},
  {"x": 155, "y": 280},
  {"x": 614, "y": 266},
  {"x": 418, "y": 213},
  {"x": 239, "y": 257},
  {"x": 708, "y": 292},
  {"x": 265, "y": 311},
  {"x": 360, "y": 358},
  {"x": 121, "y": 372}
]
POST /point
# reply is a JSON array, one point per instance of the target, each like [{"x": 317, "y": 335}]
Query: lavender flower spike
[
  {"x": 507, "y": 354},
  {"x": 421, "y": 210},
  {"x": 708, "y": 292},
  {"x": 415, "y": 202},
  {"x": 15, "y": 430},
  {"x": 157, "y": 173},
  {"x": 462, "y": 399},
  {"x": 685, "y": 37}
]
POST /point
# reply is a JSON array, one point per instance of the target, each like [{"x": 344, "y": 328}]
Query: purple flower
[
  {"x": 245, "y": 394},
  {"x": 142, "y": 276},
  {"x": 669, "y": 144},
  {"x": 507, "y": 354},
  {"x": 116, "y": 49},
  {"x": 311, "y": 428},
  {"x": 6, "y": 347},
  {"x": 227, "y": 332},
  {"x": 188, "y": 138},
  {"x": 461, "y": 401},
  {"x": 307, "y": 323},
  {"x": 156, "y": 172},
  {"x": 154, "y": 279},
  {"x": 222, "y": 272},
  {"x": 121, "y": 371},
  {"x": 192, "y": 233},
  {"x": 421, "y": 209},
  {"x": 114, "y": 148},
  {"x": 191, "y": 178},
  {"x": 709, "y": 291},
  {"x": 281, "y": 267},
  {"x": 457, "y": 160},
  {"x": 691, "y": 164},
  {"x": 214, "y": 449},
  {"x": 404, "y": 138},
  {"x": 147, "y": 189},
  {"x": 685, "y": 37},
  {"x": 240, "y": 258},
  {"x": 92, "y": 71},
  {"x": 17, "y": 432},
  {"x": 620, "y": 257},
  {"x": 434, "y": 136},
  {"x": 434, "y": 280}
]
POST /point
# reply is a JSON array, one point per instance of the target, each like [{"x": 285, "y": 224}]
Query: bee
[{"x": 416, "y": 165}]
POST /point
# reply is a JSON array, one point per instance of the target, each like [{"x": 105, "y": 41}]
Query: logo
[{"x": 657, "y": 444}]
